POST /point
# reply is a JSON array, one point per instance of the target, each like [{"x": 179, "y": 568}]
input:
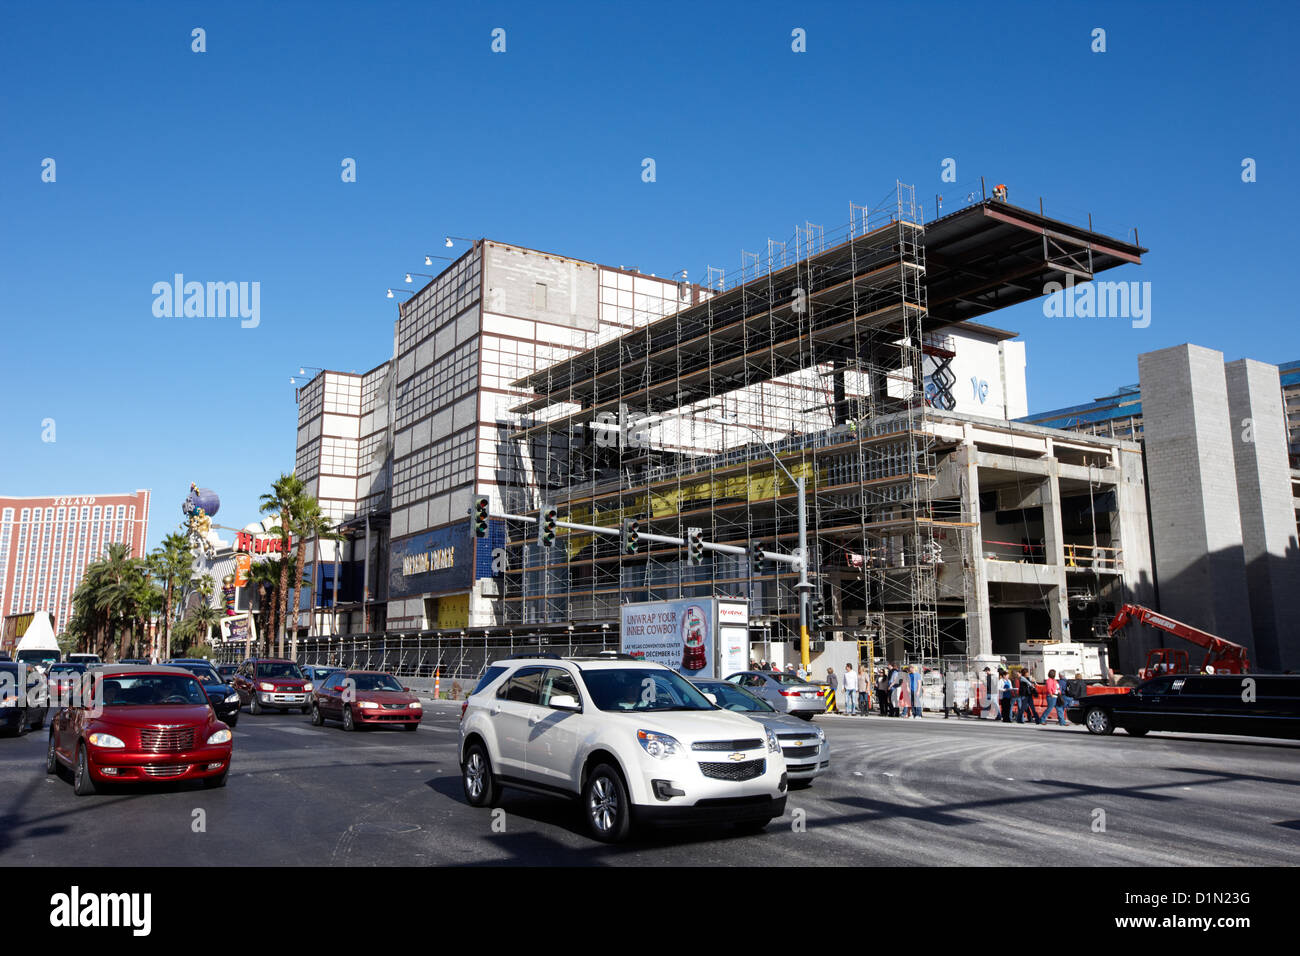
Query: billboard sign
[
  {"x": 698, "y": 637},
  {"x": 435, "y": 562}
]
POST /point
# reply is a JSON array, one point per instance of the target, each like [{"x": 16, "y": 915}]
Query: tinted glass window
[
  {"x": 1213, "y": 686},
  {"x": 203, "y": 673},
  {"x": 643, "y": 690},
  {"x": 489, "y": 675},
  {"x": 558, "y": 683},
  {"x": 376, "y": 682},
  {"x": 788, "y": 679},
  {"x": 279, "y": 669},
  {"x": 524, "y": 687},
  {"x": 731, "y": 697},
  {"x": 1161, "y": 685},
  {"x": 124, "y": 690}
]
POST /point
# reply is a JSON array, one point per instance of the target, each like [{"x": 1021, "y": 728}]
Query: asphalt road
[{"x": 928, "y": 792}]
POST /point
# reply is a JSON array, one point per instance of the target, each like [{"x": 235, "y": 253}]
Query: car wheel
[
  {"x": 1136, "y": 731},
  {"x": 480, "y": 783},
  {"x": 214, "y": 783},
  {"x": 255, "y": 706},
  {"x": 349, "y": 722},
  {"x": 20, "y": 728},
  {"x": 604, "y": 799},
  {"x": 317, "y": 718},
  {"x": 1098, "y": 721},
  {"x": 51, "y": 757},
  {"x": 83, "y": 785}
]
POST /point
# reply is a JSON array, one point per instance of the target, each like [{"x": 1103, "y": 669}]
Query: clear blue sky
[{"x": 225, "y": 166}]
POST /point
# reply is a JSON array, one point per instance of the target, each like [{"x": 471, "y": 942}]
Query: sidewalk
[{"x": 933, "y": 716}]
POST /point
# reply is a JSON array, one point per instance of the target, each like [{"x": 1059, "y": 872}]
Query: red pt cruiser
[{"x": 140, "y": 724}]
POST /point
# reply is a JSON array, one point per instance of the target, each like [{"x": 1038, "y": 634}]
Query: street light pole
[{"x": 804, "y": 587}]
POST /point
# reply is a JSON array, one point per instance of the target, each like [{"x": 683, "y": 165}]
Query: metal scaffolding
[{"x": 814, "y": 351}]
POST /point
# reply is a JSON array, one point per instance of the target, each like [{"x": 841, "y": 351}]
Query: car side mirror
[
  {"x": 565, "y": 702},
  {"x": 407, "y": 689}
]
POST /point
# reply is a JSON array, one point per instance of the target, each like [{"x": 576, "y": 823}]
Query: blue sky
[{"x": 225, "y": 166}]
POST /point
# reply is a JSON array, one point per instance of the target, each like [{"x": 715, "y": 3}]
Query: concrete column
[
  {"x": 979, "y": 629},
  {"x": 1268, "y": 530},
  {"x": 1058, "y": 602},
  {"x": 1193, "y": 493}
]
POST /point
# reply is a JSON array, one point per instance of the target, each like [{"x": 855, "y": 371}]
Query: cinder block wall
[
  {"x": 1268, "y": 528},
  {"x": 1193, "y": 490}
]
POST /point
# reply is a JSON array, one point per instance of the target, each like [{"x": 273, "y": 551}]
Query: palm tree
[
  {"x": 286, "y": 492},
  {"x": 265, "y": 575},
  {"x": 308, "y": 522},
  {"x": 171, "y": 564},
  {"x": 197, "y": 626},
  {"x": 113, "y": 590}
]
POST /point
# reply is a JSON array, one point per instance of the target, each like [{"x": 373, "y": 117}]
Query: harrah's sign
[{"x": 250, "y": 544}]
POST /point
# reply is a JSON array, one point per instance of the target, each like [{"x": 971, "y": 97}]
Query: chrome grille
[
  {"x": 748, "y": 744},
  {"x": 167, "y": 739},
  {"x": 395, "y": 706},
  {"x": 165, "y": 769},
  {"x": 800, "y": 751},
  {"x": 746, "y": 770}
]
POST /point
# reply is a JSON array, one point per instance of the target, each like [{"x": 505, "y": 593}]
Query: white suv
[{"x": 635, "y": 741}]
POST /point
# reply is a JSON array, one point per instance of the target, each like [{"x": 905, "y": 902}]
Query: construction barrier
[{"x": 829, "y": 693}]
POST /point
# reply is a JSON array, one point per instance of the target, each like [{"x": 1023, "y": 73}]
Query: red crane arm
[{"x": 1219, "y": 649}]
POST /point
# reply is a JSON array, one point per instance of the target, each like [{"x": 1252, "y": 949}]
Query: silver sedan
[
  {"x": 787, "y": 693},
  {"x": 807, "y": 754}
]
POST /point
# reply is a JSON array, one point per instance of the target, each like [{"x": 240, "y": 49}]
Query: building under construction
[{"x": 855, "y": 359}]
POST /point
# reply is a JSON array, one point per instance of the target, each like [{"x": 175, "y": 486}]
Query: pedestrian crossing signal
[{"x": 480, "y": 512}]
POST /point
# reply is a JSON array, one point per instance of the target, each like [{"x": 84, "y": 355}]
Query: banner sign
[
  {"x": 678, "y": 634},
  {"x": 435, "y": 562}
]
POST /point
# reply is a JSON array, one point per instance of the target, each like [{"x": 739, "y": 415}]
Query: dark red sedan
[
  {"x": 140, "y": 724},
  {"x": 365, "y": 699}
]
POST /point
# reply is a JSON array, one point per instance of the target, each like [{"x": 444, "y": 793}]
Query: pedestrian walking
[
  {"x": 882, "y": 691},
  {"x": 1055, "y": 700},
  {"x": 990, "y": 685},
  {"x": 1028, "y": 690},
  {"x": 914, "y": 689},
  {"x": 864, "y": 690},
  {"x": 1004, "y": 695},
  {"x": 895, "y": 691},
  {"x": 849, "y": 688}
]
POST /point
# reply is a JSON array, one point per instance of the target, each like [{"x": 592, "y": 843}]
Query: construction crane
[{"x": 1221, "y": 655}]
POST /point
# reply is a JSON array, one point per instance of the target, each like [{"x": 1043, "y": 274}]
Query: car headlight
[
  {"x": 232, "y": 699},
  {"x": 265, "y": 686},
  {"x": 368, "y": 705},
  {"x": 105, "y": 740},
  {"x": 658, "y": 745},
  {"x": 307, "y": 688},
  {"x": 220, "y": 737},
  {"x": 416, "y": 705},
  {"x": 821, "y": 734},
  {"x": 773, "y": 747}
]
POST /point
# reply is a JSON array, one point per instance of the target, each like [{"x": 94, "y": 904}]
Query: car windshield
[
  {"x": 124, "y": 690},
  {"x": 731, "y": 697},
  {"x": 37, "y": 657},
  {"x": 67, "y": 669},
  {"x": 203, "y": 672},
  {"x": 788, "y": 679},
  {"x": 279, "y": 669},
  {"x": 375, "y": 682},
  {"x": 641, "y": 689}
]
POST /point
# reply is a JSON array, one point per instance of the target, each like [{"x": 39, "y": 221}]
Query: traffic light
[
  {"x": 755, "y": 551},
  {"x": 820, "y": 617},
  {"x": 630, "y": 529},
  {"x": 546, "y": 526},
  {"x": 694, "y": 546},
  {"x": 480, "y": 512}
]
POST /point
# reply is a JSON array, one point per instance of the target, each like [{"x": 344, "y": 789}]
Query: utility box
[
  {"x": 1089, "y": 661},
  {"x": 697, "y": 637}
]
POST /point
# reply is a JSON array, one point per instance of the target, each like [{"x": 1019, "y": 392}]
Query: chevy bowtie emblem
[{"x": 735, "y": 756}]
